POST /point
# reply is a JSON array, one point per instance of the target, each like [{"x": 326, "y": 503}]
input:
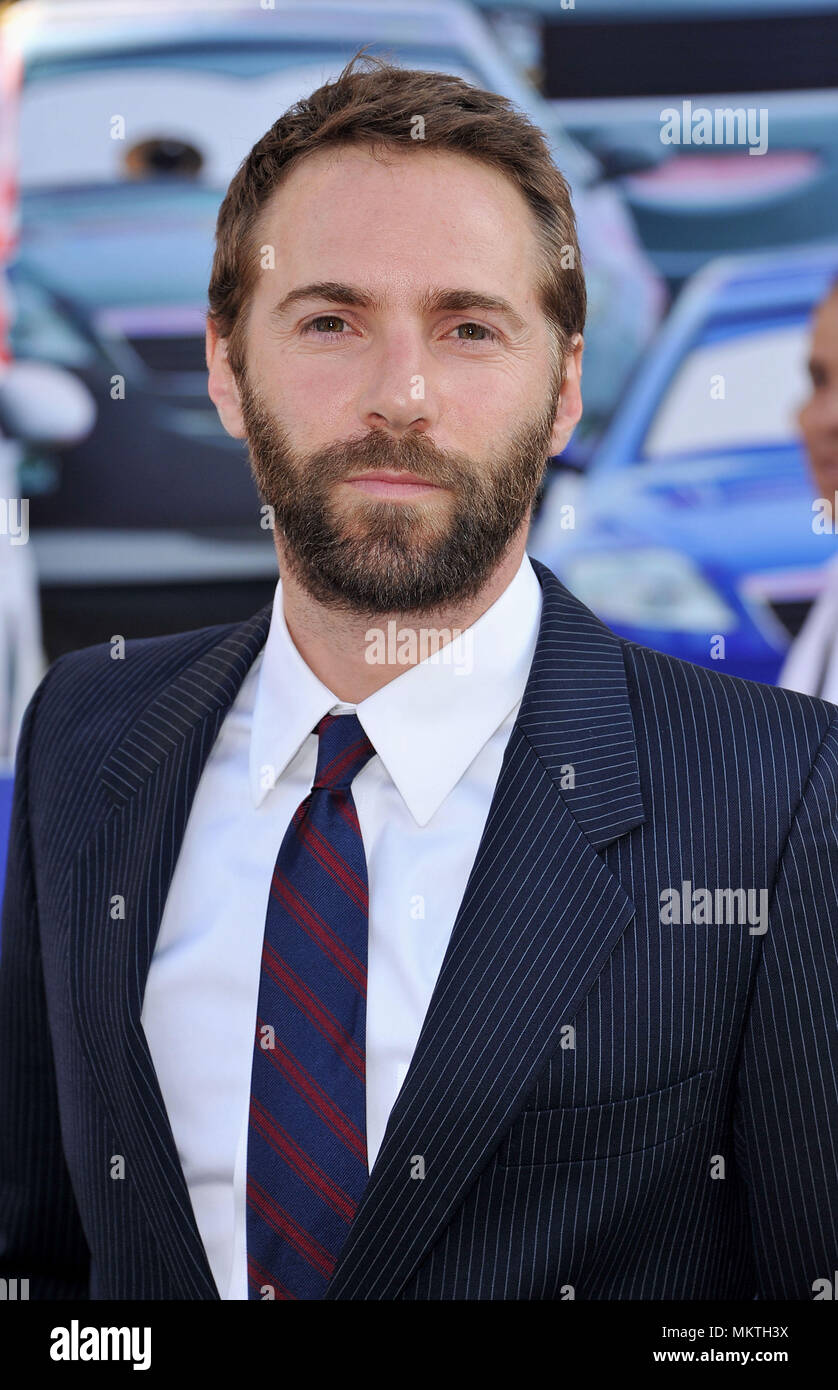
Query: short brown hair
[{"x": 379, "y": 107}]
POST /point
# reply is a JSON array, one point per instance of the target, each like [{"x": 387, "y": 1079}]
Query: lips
[
  {"x": 382, "y": 476},
  {"x": 391, "y": 485}
]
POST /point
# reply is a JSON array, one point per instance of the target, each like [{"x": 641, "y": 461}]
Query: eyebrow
[{"x": 453, "y": 300}]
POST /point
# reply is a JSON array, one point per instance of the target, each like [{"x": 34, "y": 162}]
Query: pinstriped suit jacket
[{"x": 608, "y": 1106}]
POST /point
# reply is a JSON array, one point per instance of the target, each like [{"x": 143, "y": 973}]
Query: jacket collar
[{"x": 575, "y": 712}]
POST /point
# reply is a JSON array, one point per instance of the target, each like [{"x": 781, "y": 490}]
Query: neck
[{"x": 335, "y": 644}]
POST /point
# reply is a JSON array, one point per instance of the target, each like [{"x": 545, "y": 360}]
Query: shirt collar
[{"x": 428, "y": 724}]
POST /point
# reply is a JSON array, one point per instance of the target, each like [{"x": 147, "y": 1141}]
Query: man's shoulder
[
  {"x": 89, "y": 697},
  {"x": 147, "y": 662},
  {"x": 672, "y": 688},
  {"x": 666, "y": 689}
]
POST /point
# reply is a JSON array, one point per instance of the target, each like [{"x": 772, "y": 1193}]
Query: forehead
[{"x": 397, "y": 219}]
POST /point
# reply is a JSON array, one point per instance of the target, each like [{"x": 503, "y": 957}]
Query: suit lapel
[
  {"x": 540, "y": 916},
  {"x": 131, "y": 854}
]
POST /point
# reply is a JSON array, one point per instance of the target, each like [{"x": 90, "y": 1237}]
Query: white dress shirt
[
  {"x": 439, "y": 730},
  {"x": 811, "y": 664}
]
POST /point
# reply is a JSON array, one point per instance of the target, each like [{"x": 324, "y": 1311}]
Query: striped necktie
[{"x": 307, "y": 1134}]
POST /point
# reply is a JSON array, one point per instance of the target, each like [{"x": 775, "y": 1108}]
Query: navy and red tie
[{"x": 307, "y": 1135}]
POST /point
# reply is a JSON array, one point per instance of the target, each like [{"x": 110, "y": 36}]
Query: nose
[{"x": 398, "y": 394}]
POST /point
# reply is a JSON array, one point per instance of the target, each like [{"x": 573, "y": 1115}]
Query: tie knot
[{"x": 343, "y": 749}]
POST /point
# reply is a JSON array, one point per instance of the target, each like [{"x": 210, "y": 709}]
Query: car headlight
[{"x": 648, "y": 588}]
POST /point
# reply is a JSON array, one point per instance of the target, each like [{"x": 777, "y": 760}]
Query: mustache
[{"x": 413, "y": 454}]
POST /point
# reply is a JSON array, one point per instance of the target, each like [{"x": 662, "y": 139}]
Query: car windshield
[
  {"x": 736, "y": 392},
  {"x": 94, "y": 119}
]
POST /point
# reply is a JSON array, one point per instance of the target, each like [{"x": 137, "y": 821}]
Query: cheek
[
  {"x": 810, "y": 419},
  {"x": 317, "y": 407},
  {"x": 480, "y": 405}
]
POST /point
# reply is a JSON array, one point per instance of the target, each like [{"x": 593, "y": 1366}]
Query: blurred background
[{"x": 682, "y": 510}]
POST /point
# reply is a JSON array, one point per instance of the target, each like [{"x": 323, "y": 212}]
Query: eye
[
  {"x": 311, "y": 328},
  {"x": 324, "y": 318},
  {"x": 491, "y": 335}
]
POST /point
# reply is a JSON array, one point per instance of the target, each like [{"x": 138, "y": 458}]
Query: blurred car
[
  {"x": 610, "y": 68},
  {"x": 115, "y": 255},
  {"x": 695, "y": 520},
  {"x": 38, "y": 402},
  {"x": 40, "y": 405}
]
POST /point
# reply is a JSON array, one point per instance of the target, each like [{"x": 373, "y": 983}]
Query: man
[
  {"x": 812, "y": 662},
  {"x": 336, "y": 970}
]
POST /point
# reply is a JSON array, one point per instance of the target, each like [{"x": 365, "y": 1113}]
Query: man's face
[
  {"x": 819, "y": 417},
  {"x": 376, "y": 376}
]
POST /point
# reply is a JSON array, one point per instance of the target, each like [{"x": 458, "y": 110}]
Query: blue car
[{"x": 696, "y": 530}]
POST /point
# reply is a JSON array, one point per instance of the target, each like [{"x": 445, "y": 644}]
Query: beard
[{"x": 376, "y": 556}]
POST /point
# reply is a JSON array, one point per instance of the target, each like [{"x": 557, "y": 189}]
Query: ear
[
  {"x": 222, "y": 387},
  {"x": 569, "y": 409}
]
